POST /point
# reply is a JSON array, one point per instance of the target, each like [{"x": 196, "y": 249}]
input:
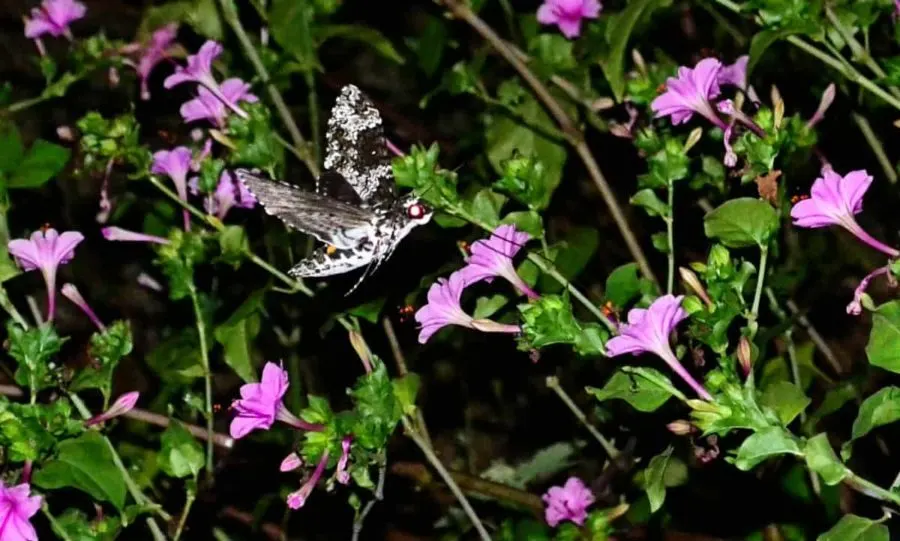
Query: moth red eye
[{"x": 415, "y": 211}]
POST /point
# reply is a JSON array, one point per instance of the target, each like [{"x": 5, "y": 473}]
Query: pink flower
[
  {"x": 16, "y": 507},
  {"x": 46, "y": 250},
  {"x": 735, "y": 74},
  {"x": 443, "y": 309},
  {"x": 824, "y": 103},
  {"x": 151, "y": 53},
  {"x": 343, "y": 476},
  {"x": 691, "y": 93},
  {"x": 199, "y": 70},
  {"x": 291, "y": 462},
  {"x": 855, "y": 307},
  {"x": 228, "y": 194},
  {"x": 124, "y": 235},
  {"x": 175, "y": 164},
  {"x": 71, "y": 292},
  {"x": 835, "y": 200},
  {"x": 567, "y": 14},
  {"x": 648, "y": 330},
  {"x": 207, "y": 106},
  {"x": 568, "y": 502},
  {"x": 121, "y": 406},
  {"x": 261, "y": 404},
  {"x": 493, "y": 257},
  {"x": 54, "y": 18},
  {"x": 297, "y": 499}
]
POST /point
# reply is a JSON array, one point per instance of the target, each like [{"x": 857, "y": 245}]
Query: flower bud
[
  {"x": 681, "y": 427},
  {"x": 745, "y": 355},
  {"x": 291, "y": 462},
  {"x": 65, "y": 133},
  {"x": 121, "y": 406},
  {"x": 778, "y": 106},
  {"x": 824, "y": 104},
  {"x": 362, "y": 349},
  {"x": 692, "y": 282},
  {"x": 693, "y": 138}
]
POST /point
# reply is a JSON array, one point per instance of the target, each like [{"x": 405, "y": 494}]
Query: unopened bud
[
  {"x": 362, "y": 349},
  {"x": 638, "y": 60},
  {"x": 824, "y": 104},
  {"x": 291, "y": 462},
  {"x": 602, "y": 104},
  {"x": 113, "y": 77},
  {"x": 745, "y": 355},
  {"x": 65, "y": 133},
  {"x": 681, "y": 427},
  {"x": 778, "y": 106},
  {"x": 693, "y": 283},
  {"x": 693, "y": 139},
  {"x": 620, "y": 130},
  {"x": 121, "y": 406}
]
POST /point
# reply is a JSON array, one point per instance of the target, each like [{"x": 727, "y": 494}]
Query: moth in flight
[{"x": 355, "y": 209}]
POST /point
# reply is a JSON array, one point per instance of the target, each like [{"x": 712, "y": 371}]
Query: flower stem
[
  {"x": 448, "y": 479},
  {"x": 379, "y": 495},
  {"x": 229, "y": 12},
  {"x": 863, "y": 124},
  {"x": 54, "y": 524},
  {"x": 608, "y": 446},
  {"x": 760, "y": 280},
  {"x": 139, "y": 497},
  {"x": 670, "y": 231},
  {"x": 207, "y": 379},
  {"x": 10, "y": 309},
  {"x": 870, "y": 489},
  {"x": 182, "y": 520}
]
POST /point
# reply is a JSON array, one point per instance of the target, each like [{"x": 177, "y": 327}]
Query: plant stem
[
  {"x": 670, "y": 233},
  {"x": 207, "y": 379},
  {"x": 229, "y": 12},
  {"x": 760, "y": 280},
  {"x": 189, "y": 502},
  {"x": 575, "y": 136},
  {"x": 54, "y": 524},
  {"x": 379, "y": 495},
  {"x": 871, "y": 489},
  {"x": 400, "y": 361},
  {"x": 448, "y": 479},
  {"x": 553, "y": 383},
  {"x": 857, "y": 50},
  {"x": 863, "y": 124},
  {"x": 139, "y": 497}
]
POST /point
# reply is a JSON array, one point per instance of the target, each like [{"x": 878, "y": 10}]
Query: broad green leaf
[
  {"x": 623, "y": 285},
  {"x": 202, "y": 15},
  {"x": 619, "y": 31},
  {"x": 236, "y": 335},
  {"x": 85, "y": 463},
  {"x": 366, "y": 35},
  {"x": 635, "y": 388},
  {"x": 742, "y": 222},
  {"x": 785, "y": 399},
  {"x": 405, "y": 391},
  {"x": 764, "y": 444},
  {"x": 649, "y": 201},
  {"x": 486, "y": 205},
  {"x": 43, "y": 161},
  {"x": 233, "y": 244},
  {"x": 369, "y": 311},
  {"x": 573, "y": 254},
  {"x": 11, "y": 148},
  {"x": 654, "y": 479},
  {"x": 882, "y": 408},
  {"x": 180, "y": 454},
  {"x": 485, "y": 307},
  {"x": 883, "y": 349},
  {"x": 528, "y": 221},
  {"x": 177, "y": 358},
  {"x": 76, "y": 526},
  {"x": 854, "y": 528},
  {"x": 760, "y": 42},
  {"x": 821, "y": 459},
  {"x": 507, "y": 139}
]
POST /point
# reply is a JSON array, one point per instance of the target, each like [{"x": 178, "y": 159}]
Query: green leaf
[
  {"x": 623, "y": 285},
  {"x": 766, "y": 443},
  {"x": 11, "y": 148},
  {"x": 486, "y": 205},
  {"x": 634, "y": 387},
  {"x": 741, "y": 222},
  {"x": 649, "y": 201},
  {"x": 43, "y": 161},
  {"x": 364, "y": 34},
  {"x": 85, "y": 463},
  {"x": 233, "y": 244},
  {"x": 76, "y": 526},
  {"x": 369, "y": 311},
  {"x": 883, "y": 349},
  {"x": 180, "y": 454},
  {"x": 821, "y": 459},
  {"x": 236, "y": 335},
  {"x": 202, "y": 15},
  {"x": 177, "y": 358},
  {"x": 108, "y": 348},
  {"x": 405, "y": 391},
  {"x": 654, "y": 479},
  {"x": 786, "y": 400},
  {"x": 485, "y": 307},
  {"x": 548, "y": 320},
  {"x": 854, "y": 528},
  {"x": 882, "y": 408},
  {"x": 33, "y": 350},
  {"x": 760, "y": 42},
  {"x": 572, "y": 255},
  {"x": 528, "y": 221},
  {"x": 619, "y": 31}
]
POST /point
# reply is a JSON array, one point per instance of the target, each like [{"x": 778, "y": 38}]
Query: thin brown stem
[
  {"x": 553, "y": 384},
  {"x": 575, "y": 136},
  {"x": 400, "y": 360}
]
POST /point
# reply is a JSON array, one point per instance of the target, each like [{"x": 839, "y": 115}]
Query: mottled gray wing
[
  {"x": 356, "y": 148},
  {"x": 333, "y": 222},
  {"x": 328, "y": 262}
]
